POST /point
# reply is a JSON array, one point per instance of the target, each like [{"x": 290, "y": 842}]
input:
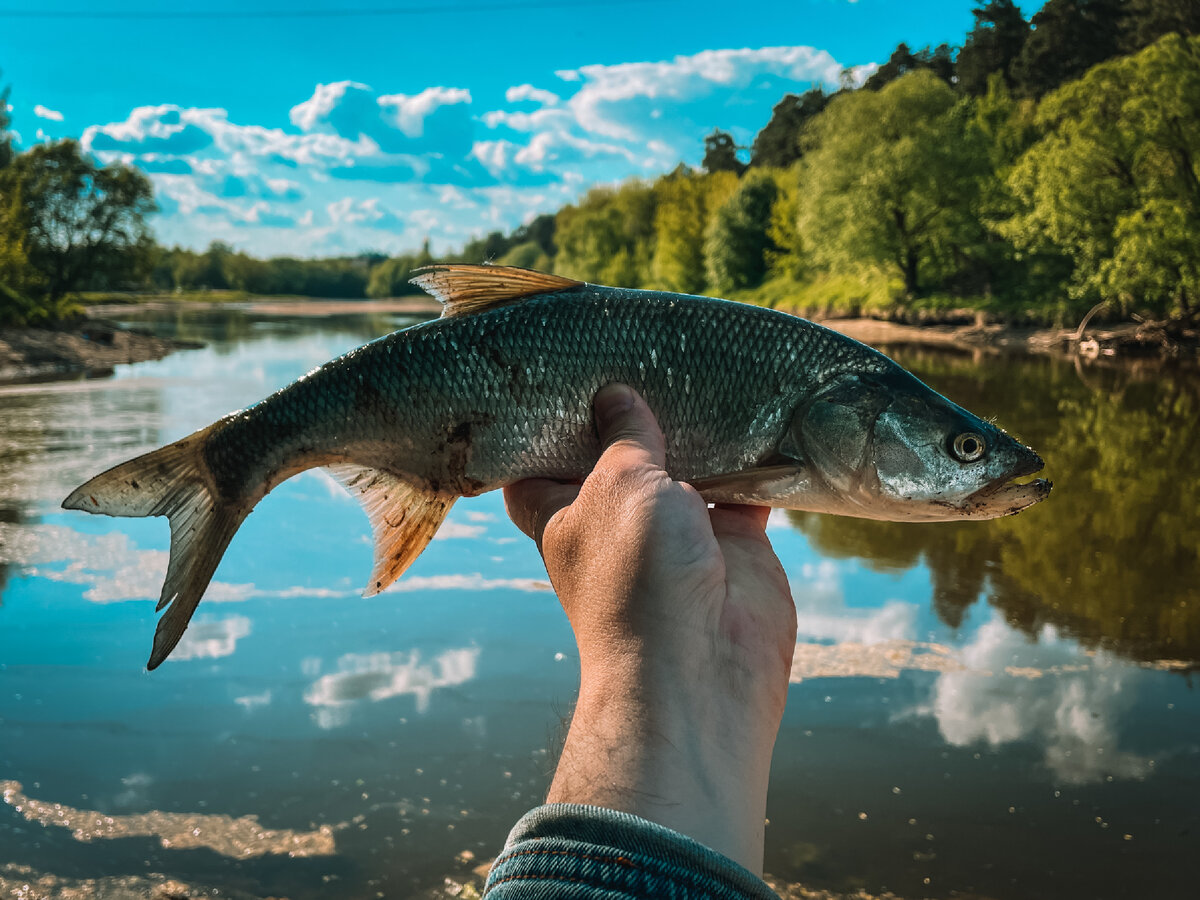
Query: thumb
[{"x": 627, "y": 426}]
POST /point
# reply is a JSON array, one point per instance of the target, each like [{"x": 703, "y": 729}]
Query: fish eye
[{"x": 969, "y": 446}]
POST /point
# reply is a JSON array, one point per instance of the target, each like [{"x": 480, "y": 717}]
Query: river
[{"x": 998, "y": 710}]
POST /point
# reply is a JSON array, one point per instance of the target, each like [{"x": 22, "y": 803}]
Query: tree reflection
[{"x": 1112, "y": 556}]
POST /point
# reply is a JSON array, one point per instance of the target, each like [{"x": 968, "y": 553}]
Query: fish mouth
[{"x": 1006, "y": 498}]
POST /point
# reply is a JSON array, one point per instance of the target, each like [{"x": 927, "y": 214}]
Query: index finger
[{"x": 532, "y": 503}]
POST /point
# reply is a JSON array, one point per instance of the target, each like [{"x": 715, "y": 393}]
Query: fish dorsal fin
[
  {"x": 404, "y": 518},
  {"x": 465, "y": 289}
]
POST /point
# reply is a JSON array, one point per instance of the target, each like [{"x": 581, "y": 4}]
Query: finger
[
  {"x": 756, "y": 514},
  {"x": 532, "y": 503},
  {"x": 626, "y": 424},
  {"x": 739, "y": 520}
]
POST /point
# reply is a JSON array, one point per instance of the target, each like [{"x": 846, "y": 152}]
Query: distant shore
[{"x": 92, "y": 345}]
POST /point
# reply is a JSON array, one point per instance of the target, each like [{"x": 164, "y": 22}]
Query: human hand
[{"x": 685, "y": 626}]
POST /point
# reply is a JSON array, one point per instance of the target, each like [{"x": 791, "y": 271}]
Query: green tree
[
  {"x": 939, "y": 61},
  {"x": 737, "y": 243},
  {"x": 893, "y": 178},
  {"x": 679, "y": 224},
  {"x": 992, "y": 46},
  {"x": 1148, "y": 20},
  {"x": 390, "y": 278},
  {"x": 85, "y": 224},
  {"x": 528, "y": 255},
  {"x": 1114, "y": 182},
  {"x": 1068, "y": 38},
  {"x": 609, "y": 236},
  {"x": 539, "y": 230},
  {"x": 778, "y": 144},
  {"x": 720, "y": 154}
]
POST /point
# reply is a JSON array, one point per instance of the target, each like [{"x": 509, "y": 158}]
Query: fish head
[{"x": 883, "y": 445}]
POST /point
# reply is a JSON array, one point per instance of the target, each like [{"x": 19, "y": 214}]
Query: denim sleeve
[{"x": 571, "y": 852}]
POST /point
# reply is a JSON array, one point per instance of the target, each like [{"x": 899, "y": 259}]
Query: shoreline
[
  {"x": 92, "y": 346},
  {"x": 86, "y": 348}
]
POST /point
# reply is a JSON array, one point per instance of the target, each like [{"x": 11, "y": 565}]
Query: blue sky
[{"x": 285, "y": 132}]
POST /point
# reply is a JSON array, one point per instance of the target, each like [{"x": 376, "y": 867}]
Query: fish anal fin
[
  {"x": 762, "y": 486},
  {"x": 465, "y": 289},
  {"x": 404, "y": 518}
]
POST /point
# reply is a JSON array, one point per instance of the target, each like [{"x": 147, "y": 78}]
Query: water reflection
[
  {"x": 962, "y": 664},
  {"x": 1111, "y": 557},
  {"x": 1045, "y": 692},
  {"x": 212, "y": 639},
  {"x": 381, "y": 676}
]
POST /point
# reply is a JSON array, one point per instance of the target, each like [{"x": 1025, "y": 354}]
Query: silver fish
[{"x": 757, "y": 406}]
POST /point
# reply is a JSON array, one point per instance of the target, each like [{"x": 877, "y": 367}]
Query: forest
[{"x": 1045, "y": 166}]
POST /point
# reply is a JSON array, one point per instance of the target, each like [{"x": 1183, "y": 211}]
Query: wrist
[{"x": 680, "y": 759}]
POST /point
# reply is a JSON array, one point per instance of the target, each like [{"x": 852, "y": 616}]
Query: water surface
[{"x": 1001, "y": 710}]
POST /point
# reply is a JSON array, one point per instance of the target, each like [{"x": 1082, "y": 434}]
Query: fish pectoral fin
[
  {"x": 760, "y": 486},
  {"x": 465, "y": 289},
  {"x": 404, "y": 518}
]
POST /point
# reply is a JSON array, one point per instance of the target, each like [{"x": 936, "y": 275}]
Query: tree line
[{"x": 1044, "y": 166}]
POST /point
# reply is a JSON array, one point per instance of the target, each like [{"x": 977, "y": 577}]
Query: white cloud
[
  {"x": 520, "y": 92},
  {"x": 43, "y": 112},
  {"x": 385, "y": 170},
  {"x": 616, "y": 100},
  {"x": 409, "y": 113},
  {"x": 325, "y": 99},
  {"x": 369, "y": 212}
]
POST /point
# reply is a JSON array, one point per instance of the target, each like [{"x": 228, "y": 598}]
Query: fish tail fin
[{"x": 173, "y": 482}]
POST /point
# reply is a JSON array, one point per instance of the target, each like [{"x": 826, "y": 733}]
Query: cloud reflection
[
  {"x": 211, "y": 639},
  {"x": 999, "y": 688},
  {"x": 380, "y": 676},
  {"x": 1046, "y": 692}
]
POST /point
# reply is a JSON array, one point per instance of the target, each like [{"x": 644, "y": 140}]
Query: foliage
[
  {"x": 1114, "y": 181},
  {"x": 1027, "y": 176},
  {"x": 903, "y": 61},
  {"x": 1148, "y": 20},
  {"x": 528, "y": 255},
  {"x": 778, "y": 144},
  {"x": 737, "y": 242},
  {"x": 1068, "y": 38},
  {"x": 892, "y": 178},
  {"x": 686, "y": 206},
  {"x": 390, "y": 278},
  {"x": 992, "y": 46},
  {"x": 81, "y": 224},
  {"x": 609, "y": 237},
  {"x": 720, "y": 154}
]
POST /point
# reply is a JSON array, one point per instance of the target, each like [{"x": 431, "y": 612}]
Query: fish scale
[{"x": 756, "y": 407}]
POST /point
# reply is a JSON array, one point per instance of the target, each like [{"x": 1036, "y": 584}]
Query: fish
[{"x": 757, "y": 407}]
